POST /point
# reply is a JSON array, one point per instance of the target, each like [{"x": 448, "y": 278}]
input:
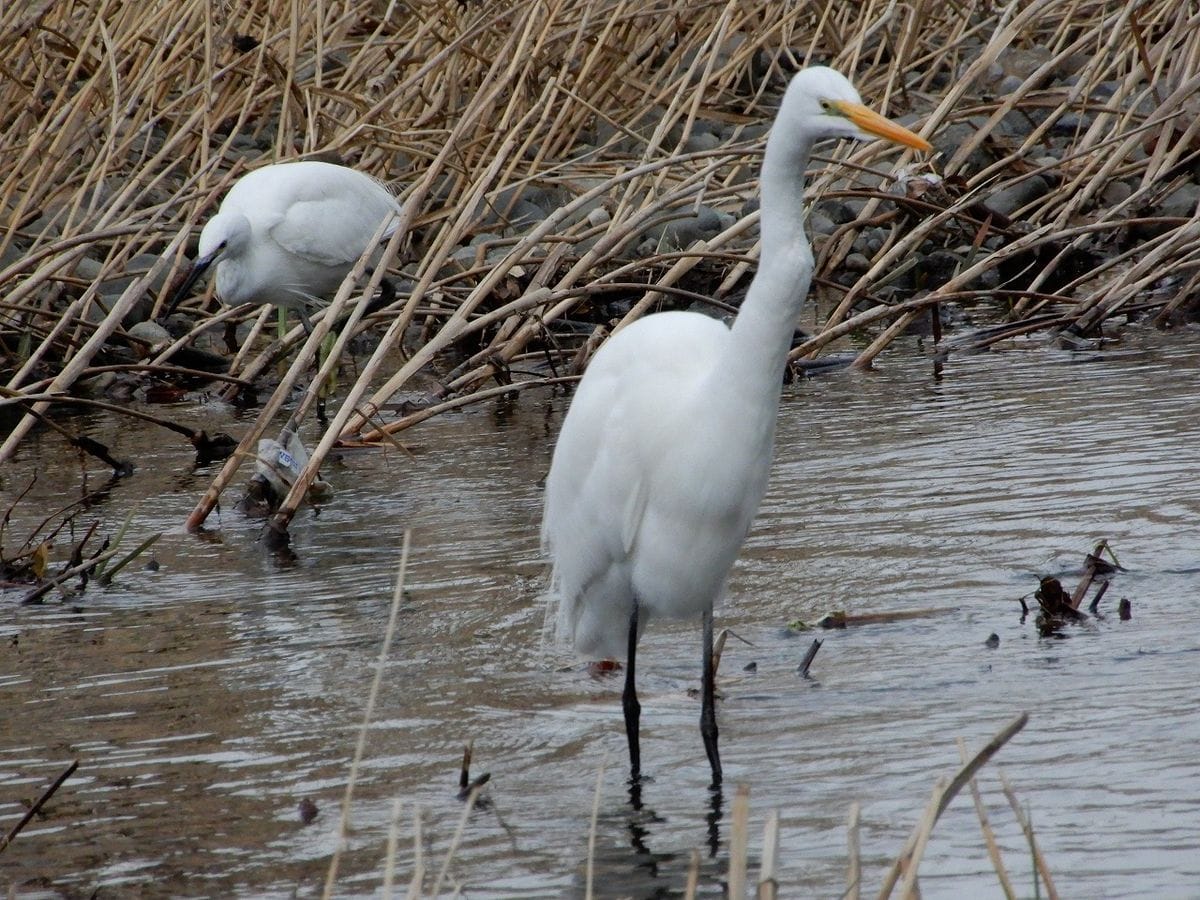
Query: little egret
[
  {"x": 288, "y": 234},
  {"x": 663, "y": 456}
]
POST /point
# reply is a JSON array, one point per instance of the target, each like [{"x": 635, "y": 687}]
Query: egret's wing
[
  {"x": 616, "y": 439},
  {"x": 623, "y": 422},
  {"x": 332, "y": 230},
  {"x": 595, "y": 497},
  {"x": 593, "y": 482},
  {"x": 323, "y": 213}
]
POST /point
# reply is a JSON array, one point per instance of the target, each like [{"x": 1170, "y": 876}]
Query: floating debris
[
  {"x": 1058, "y": 608},
  {"x": 468, "y": 786},
  {"x": 307, "y": 811},
  {"x": 842, "y": 619},
  {"x": 808, "y": 658}
]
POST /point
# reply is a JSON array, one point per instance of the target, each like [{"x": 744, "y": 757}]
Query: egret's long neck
[{"x": 764, "y": 326}]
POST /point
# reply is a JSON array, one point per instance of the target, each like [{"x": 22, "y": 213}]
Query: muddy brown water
[{"x": 204, "y": 700}]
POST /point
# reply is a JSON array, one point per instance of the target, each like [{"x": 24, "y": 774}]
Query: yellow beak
[{"x": 873, "y": 123}]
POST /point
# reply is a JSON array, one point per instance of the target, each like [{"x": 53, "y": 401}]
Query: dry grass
[{"x": 123, "y": 124}]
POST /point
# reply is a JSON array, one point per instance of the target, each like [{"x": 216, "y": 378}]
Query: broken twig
[{"x": 38, "y": 804}]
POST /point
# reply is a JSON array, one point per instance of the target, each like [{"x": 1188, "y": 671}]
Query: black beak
[{"x": 199, "y": 267}]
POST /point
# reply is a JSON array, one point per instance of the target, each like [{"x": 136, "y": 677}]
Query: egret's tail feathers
[{"x": 305, "y": 300}]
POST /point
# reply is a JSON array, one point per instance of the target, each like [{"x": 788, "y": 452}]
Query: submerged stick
[
  {"x": 418, "y": 875},
  {"x": 1039, "y": 860},
  {"x": 83, "y": 568},
  {"x": 1095, "y": 604},
  {"x": 912, "y": 861},
  {"x": 739, "y": 839},
  {"x": 908, "y": 860},
  {"x": 989, "y": 837},
  {"x": 38, "y": 804},
  {"x": 853, "y": 854},
  {"x": 464, "y": 775},
  {"x": 108, "y": 575},
  {"x": 368, "y": 713},
  {"x": 455, "y": 841},
  {"x": 718, "y": 649},
  {"x": 36, "y": 409},
  {"x": 693, "y": 877},
  {"x": 465, "y": 784},
  {"x": 809, "y": 657},
  {"x": 840, "y": 619},
  {"x": 198, "y": 439},
  {"x": 393, "y": 843},
  {"x": 768, "y": 883},
  {"x": 591, "y": 857}
]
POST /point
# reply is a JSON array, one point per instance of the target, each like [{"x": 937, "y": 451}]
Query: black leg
[
  {"x": 387, "y": 293},
  {"x": 708, "y": 714},
  {"x": 629, "y": 700}
]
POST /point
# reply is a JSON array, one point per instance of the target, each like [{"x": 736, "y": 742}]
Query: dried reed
[{"x": 1068, "y": 133}]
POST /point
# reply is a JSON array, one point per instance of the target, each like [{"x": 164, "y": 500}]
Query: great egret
[
  {"x": 663, "y": 456},
  {"x": 288, "y": 234}
]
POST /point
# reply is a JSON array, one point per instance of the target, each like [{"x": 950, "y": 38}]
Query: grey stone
[
  {"x": 462, "y": 259},
  {"x": 106, "y": 301},
  {"x": 1012, "y": 198},
  {"x": 1181, "y": 203},
  {"x": 937, "y": 268},
  {"x": 819, "y": 223},
  {"x": 856, "y": 206},
  {"x": 837, "y": 211},
  {"x": 696, "y": 224},
  {"x": 117, "y": 281},
  {"x": 1020, "y": 122},
  {"x": 1009, "y": 84},
  {"x": 12, "y": 253},
  {"x": 702, "y": 140},
  {"x": 484, "y": 237},
  {"x": 1116, "y": 192},
  {"x": 88, "y": 269},
  {"x": 988, "y": 280},
  {"x": 150, "y": 332},
  {"x": 1069, "y": 123},
  {"x": 523, "y": 216},
  {"x": 1022, "y": 62},
  {"x": 870, "y": 241},
  {"x": 856, "y": 262}
]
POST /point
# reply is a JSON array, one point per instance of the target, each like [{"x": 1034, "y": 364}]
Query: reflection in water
[
  {"x": 713, "y": 817},
  {"x": 206, "y": 699},
  {"x": 656, "y": 873}
]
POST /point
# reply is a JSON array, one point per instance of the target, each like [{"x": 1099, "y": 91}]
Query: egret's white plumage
[
  {"x": 663, "y": 457},
  {"x": 289, "y": 233}
]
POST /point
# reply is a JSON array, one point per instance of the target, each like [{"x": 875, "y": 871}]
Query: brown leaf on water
[{"x": 41, "y": 559}]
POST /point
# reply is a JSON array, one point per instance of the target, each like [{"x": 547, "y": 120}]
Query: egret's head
[
  {"x": 825, "y": 104},
  {"x": 225, "y": 236}
]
